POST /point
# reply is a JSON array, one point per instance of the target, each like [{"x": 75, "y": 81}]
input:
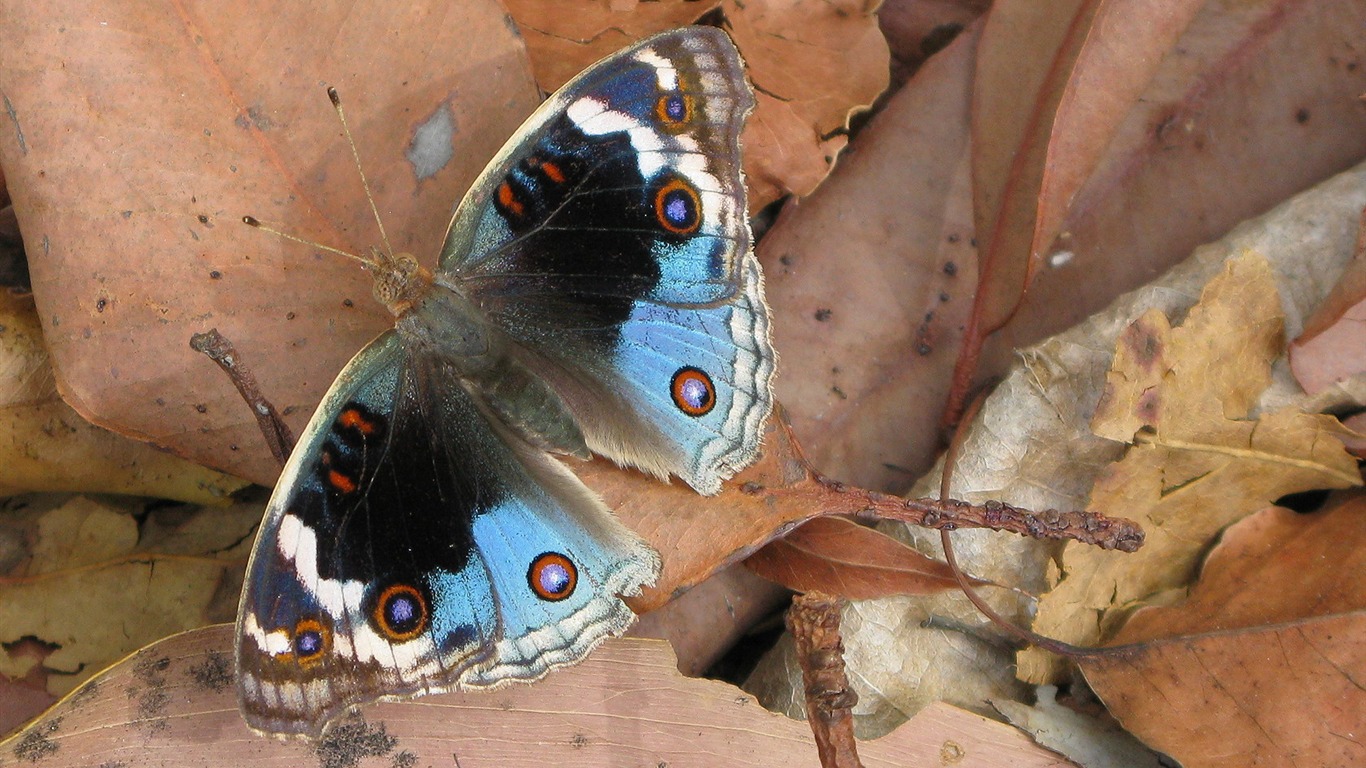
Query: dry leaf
[
  {"x": 46, "y": 446},
  {"x": 1329, "y": 351},
  {"x": 173, "y": 704},
  {"x": 1228, "y": 128},
  {"x": 1053, "y": 85},
  {"x": 871, "y": 281},
  {"x": 1266, "y": 646},
  {"x": 1201, "y": 461},
  {"x": 841, "y": 557},
  {"x": 1287, "y": 694},
  {"x": 1273, "y": 567},
  {"x": 94, "y": 585},
  {"x": 164, "y": 126},
  {"x": 1032, "y": 446}
]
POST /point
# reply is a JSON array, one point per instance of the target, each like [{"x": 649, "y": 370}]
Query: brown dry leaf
[
  {"x": 1267, "y": 645},
  {"x": 46, "y": 446},
  {"x": 840, "y": 557},
  {"x": 871, "y": 279},
  {"x": 1053, "y": 84},
  {"x": 1201, "y": 461},
  {"x": 812, "y": 64},
  {"x": 173, "y": 704},
  {"x": 1032, "y": 446},
  {"x": 1273, "y": 567},
  {"x": 94, "y": 585},
  {"x": 1235, "y": 120},
  {"x": 163, "y": 126},
  {"x": 1170, "y": 692}
]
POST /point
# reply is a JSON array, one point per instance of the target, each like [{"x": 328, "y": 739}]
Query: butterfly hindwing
[
  {"x": 418, "y": 549},
  {"x": 611, "y": 244}
]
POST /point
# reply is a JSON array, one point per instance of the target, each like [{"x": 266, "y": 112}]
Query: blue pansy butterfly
[{"x": 596, "y": 293}]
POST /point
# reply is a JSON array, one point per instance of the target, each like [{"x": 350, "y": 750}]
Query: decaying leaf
[
  {"x": 841, "y": 557},
  {"x": 625, "y": 705},
  {"x": 1032, "y": 445},
  {"x": 95, "y": 585},
  {"x": 1284, "y": 694},
  {"x": 1268, "y": 646},
  {"x": 46, "y": 446},
  {"x": 1202, "y": 459}
]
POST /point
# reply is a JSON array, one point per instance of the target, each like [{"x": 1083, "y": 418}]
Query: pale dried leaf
[
  {"x": 46, "y": 446},
  {"x": 625, "y": 705}
]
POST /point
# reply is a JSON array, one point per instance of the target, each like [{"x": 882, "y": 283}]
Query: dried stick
[
  {"x": 814, "y": 621},
  {"x": 220, "y": 350}
]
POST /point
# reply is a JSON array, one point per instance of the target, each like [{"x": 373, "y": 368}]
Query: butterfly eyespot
[
  {"x": 552, "y": 576},
  {"x": 311, "y": 640},
  {"x": 693, "y": 392},
  {"x": 673, "y": 108},
  {"x": 677, "y": 207},
  {"x": 400, "y": 612}
]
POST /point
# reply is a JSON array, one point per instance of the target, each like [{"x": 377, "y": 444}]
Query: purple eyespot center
[
  {"x": 552, "y": 576},
  {"x": 693, "y": 391},
  {"x": 308, "y": 643},
  {"x": 400, "y": 612}
]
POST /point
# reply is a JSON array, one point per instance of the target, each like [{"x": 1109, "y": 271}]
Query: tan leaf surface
[
  {"x": 871, "y": 280},
  {"x": 1228, "y": 128},
  {"x": 1053, "y": 84},
  {"x": 94, "y": 585},
  {"x": 46, "y": 446},
  {"x": 1032, "y": 445},
  {"x": 840, "y": 557},
  {"x": 1285, "y": 694},
  {"x": 1201, "y": 460},
  {"x": 165, "y": 124},
  {"x": 1267, "y": 646},
  {"x": 1273, "y": 567},
  {"x": 812, "y": 64},
  {"x": 173, "y": 704}
]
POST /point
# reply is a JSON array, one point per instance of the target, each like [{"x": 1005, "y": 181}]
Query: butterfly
[{"x": 596, "y": 294}]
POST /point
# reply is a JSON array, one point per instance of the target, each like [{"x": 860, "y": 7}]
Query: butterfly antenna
[
  {"x": 346, "y": 129},
  {"x": 252, "y": 221}
]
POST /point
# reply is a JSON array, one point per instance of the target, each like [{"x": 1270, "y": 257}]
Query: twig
[
  {"x": 220, "y": 350},
  {"x": 814, "y": 621},
  {"x": 950, "y": 514}
]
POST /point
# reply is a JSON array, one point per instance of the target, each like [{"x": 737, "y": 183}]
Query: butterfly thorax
[{"x": 448, "y": 334}]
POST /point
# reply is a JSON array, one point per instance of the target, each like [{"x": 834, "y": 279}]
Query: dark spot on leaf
[
  {"x": 36, "y": 745},
  {"x": 214, "y": 672},
  {"x": 347, "y": 743}
]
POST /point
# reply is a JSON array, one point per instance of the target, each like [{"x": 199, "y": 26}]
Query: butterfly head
[{"x": 400, "y": 281}]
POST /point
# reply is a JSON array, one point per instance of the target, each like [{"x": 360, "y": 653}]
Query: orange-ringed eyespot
[
  {"x": 673, "y": 108},
  {"x": 310, "y": 640},
  {"x": 677, "y": 207},
  {"x": 552, "y": 576},
  {"x": 400, "y": 612},
  {"x": 693, "y": 391}
]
